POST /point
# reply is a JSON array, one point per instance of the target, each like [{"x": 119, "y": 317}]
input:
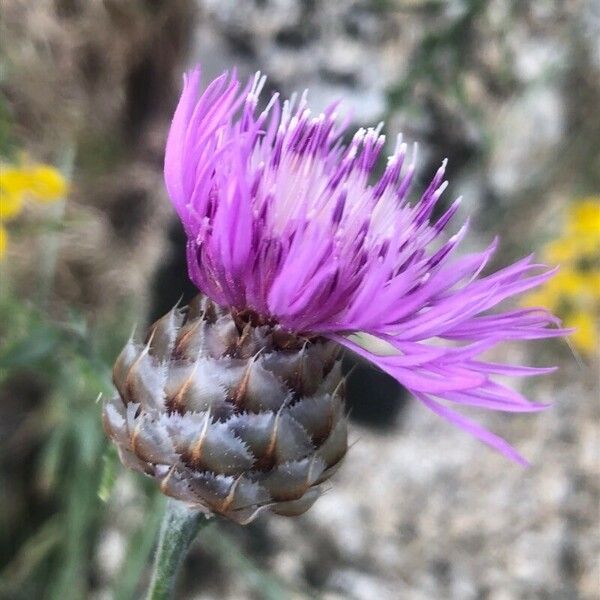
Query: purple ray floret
[{"x": 284, "y": 219}]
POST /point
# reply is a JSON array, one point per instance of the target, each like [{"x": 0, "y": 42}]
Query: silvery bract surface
[
  {"x": 284, "y": 220},
  {"x": 228, "y": 415}
]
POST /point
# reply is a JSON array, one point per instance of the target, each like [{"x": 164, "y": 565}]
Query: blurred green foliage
[
  {"x": 53, "y": 547},
  {"x": 48, "y": 543}
]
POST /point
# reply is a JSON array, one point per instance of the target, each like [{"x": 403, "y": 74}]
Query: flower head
[
  {"x": 18, "y": 183},
  {"x": 284, "y": 222},
  {"x": 3, "y": 241},
  {"x": 38, "y": 181},
  {"x": 575, "y": 292}
]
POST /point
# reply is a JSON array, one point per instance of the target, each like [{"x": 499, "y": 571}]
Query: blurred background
[{"x": 507, "y": 90}]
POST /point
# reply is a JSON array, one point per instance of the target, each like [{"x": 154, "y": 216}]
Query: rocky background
[{"x": 508, "y": 91}]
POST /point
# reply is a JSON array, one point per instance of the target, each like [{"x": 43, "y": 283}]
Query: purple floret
[{"x": 284, "y": 220}]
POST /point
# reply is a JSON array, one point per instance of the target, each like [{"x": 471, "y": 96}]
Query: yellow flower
[
  {"x": 585, "y": 217},
  {"x": 574, "y": 292},
  {"x": 46, "y": 184},
  {"x": 3, "y": 241},
  {"x": 560, "y": 251},
  {"x": 37, "y": 181},
  {"x": 585, "y": 337},
  {"x": 542, "y": 297},
  {"x": 567, "y": 282},
  {"x": 572, "y": 248},
  {"x": 593, "y": 281},
  {"x": 13, "y": 182}
]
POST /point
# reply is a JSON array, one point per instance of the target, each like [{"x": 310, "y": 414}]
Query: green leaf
[
  {"x": 39, "y": 344},
  {"x": 52, "y": 457},
  {"x": 31, "y": 553},
  {"x": 110, "y": 465}
]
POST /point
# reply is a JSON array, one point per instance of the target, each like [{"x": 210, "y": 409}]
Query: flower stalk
[{"x": 178, "y": 530}]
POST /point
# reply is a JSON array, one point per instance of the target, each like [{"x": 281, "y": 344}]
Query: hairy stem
[{"x": 179, "y": 528}]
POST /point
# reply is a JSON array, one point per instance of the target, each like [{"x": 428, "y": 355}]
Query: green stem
[{"x": 179, "y": 528}]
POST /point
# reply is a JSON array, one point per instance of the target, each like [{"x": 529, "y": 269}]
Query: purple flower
[{"x": 283, "y": 220}]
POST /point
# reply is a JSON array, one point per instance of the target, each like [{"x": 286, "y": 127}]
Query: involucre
[{"x": 229, "y": 414}]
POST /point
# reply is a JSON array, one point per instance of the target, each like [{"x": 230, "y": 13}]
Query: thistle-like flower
[{"x": 235, "y": 404}]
